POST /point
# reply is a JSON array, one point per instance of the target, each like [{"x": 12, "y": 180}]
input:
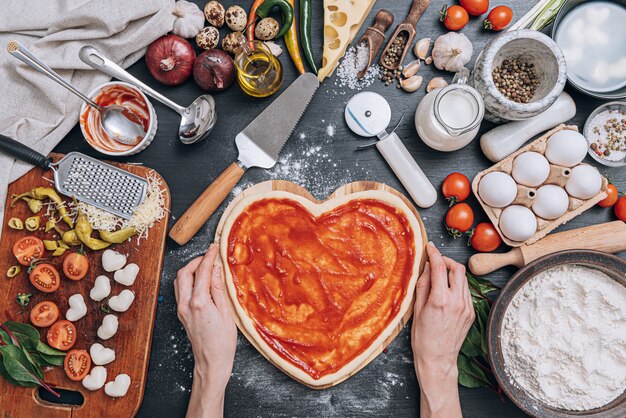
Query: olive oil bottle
[{"x": 259, "y": 72}]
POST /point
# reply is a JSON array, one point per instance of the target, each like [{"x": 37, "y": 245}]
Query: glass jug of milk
[{"x": 448, "y": 118}]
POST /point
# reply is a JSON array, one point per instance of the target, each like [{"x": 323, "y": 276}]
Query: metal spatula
[{"x": 87, "y": 179}]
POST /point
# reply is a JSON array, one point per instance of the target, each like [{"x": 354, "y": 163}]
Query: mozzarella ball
[
  {"x": 584, "y": 182},
  {"x": 497, "y": 189},
  {"x": 566, "y": 148},
  {"x": 550, "y": 202},
  {"x": 530, "y": 169},
  {"x": 518, "y": 223}
]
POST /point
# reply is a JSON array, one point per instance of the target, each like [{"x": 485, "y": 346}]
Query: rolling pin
[{"x": 609, "y": 237}]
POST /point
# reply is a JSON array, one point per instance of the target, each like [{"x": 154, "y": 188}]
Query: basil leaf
[
  {"x": 470, "y": 374},
  {"x": 5, "y": 337},
  {"x": 36, "y": 366},
  {"x": 7, "y": 376},
  {"x": 48, "y": 360},
  {"x": 23, "y": 329},
  {"x": 44, "y": 348},
  {"x": 472, "y": 345},
  {"x": 17, "y": 366}
]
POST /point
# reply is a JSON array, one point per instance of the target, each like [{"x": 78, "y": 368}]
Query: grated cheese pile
[{"x": 151, "y": 210}]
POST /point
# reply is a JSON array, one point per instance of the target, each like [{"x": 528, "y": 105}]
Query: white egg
[
  {"x": 584, "y": 182},
  {"x": 550, "y": 202},
  {"x": 530, "y": 169},
  {"x": 566, "y": 148},
  {"x": 518, "y": 223},
  {"x": 497, "y": 189}
]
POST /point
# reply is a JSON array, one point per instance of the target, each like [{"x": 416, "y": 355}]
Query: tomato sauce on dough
[{"x": 321, "y": 290}]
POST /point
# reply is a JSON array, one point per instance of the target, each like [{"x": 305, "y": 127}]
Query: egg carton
[{"x": 525, "y": 195}]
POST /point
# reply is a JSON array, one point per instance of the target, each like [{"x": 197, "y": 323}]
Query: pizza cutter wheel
[{"x": 368, "y": 114}]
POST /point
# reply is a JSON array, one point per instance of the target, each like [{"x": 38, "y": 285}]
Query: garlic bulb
[
  {"x": 452, "y": 51},
  {"x": 189, "y": 19}
]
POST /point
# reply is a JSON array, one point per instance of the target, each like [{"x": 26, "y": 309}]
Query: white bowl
[{"x": 152, "y": 125}]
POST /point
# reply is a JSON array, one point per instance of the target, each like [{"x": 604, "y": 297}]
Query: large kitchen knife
[
  {"x": 609, "y": 237},
  {"x": 259, "y": 145}
]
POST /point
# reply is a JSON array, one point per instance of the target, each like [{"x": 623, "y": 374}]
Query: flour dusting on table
[{"x": 564, "y": 338}]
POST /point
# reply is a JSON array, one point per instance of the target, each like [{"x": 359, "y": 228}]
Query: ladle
[
  {"x": 197, "y": 120},
  {"x": 119, "y": 122}
]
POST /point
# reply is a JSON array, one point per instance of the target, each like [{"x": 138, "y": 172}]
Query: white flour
[{"x": 564, "y": 338}]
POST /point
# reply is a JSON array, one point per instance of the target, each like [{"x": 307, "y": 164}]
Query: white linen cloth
[{"x": 36, "y": 110}]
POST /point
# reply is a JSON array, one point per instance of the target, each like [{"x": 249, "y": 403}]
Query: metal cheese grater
[{"x": 87, "y": 179}]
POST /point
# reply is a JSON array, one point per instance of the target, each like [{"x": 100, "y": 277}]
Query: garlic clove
[
  {"x": 436, "y": 83},
  {"x": 411, "y": 69},
  {"x": 421, "y": 48},
  {"x": 274, "y": 48},
  {"x": 428, "y": 60},
  {"x": 411, "y": 84}
]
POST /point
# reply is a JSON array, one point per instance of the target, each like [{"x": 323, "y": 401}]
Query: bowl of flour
[{"x": 557, "y": 336}]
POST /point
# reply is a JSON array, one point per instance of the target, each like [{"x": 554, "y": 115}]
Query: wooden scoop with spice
[
  {"x": 402, "y": 37},
  {"x": 374, "y": 37}
]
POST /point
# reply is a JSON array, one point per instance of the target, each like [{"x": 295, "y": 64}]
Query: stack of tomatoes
[{"x": 456, "y": 17}]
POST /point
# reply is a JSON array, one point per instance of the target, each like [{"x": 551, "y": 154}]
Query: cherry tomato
[
  {"x": 455, "y": 188},
  {"x": 475, "y": 7},
  {"x": 611, "y": 198},
  {"x": 75, "y": 266},
  {"x": 454, "y": 17},
  {"x": 485, "y": 238},
  {"x": 27, "y": 249},
  {"x": 77, "y": 364},
  {"x": 62, "y": 335},
  {"x": 44, "y": 314},
  {"x": 620, "y": 208},
  {"x": 459, "y": 219},
  {"x": 499, "y": 18},
  {"x": 45, "y": 278}
]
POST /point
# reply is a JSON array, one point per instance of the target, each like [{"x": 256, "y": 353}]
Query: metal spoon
[
  {"x": 197, "y": 120},
  {"x": 119, "y": 122}
]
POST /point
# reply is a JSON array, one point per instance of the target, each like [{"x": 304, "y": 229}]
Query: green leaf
[
  {"x": 5, "y": 337},
  {"x": 36, "y": 366},
  {"x": 473, "y": 342},
  {"x": 470, "y": 374},
  {"x": 52, "y": 360},
  {"x": 23, "y": 329},
  {"x": 18, "y": 366},
  {"x": 45, "y": 349},
  {"x": 7, "y": 376}
]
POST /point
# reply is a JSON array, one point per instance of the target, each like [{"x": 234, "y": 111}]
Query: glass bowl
[{"x": 588, "y": 132}]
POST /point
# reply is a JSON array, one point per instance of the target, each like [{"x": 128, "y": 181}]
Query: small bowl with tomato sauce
[{"x": 126, "y": 95}]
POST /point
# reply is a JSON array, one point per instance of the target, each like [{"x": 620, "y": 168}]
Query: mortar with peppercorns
[{"x": 519, "y": 74}]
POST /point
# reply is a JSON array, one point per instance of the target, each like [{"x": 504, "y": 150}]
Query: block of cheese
[{"x": 342, "y": 21}]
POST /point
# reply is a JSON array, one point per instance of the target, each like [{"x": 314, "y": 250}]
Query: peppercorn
[{"x": 516, "y": 79}]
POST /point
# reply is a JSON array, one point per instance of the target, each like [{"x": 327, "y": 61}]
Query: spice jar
[{"x": 448, "y": 118}]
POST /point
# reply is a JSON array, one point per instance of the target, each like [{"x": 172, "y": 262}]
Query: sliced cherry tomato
[
  {"x": 44, "y": 314},
  {"x": 455, "y": 188},
  {"x": 45, "y": 277},
  {"x": 611, "y": 198},
  {"x": 485, "y": 238},
  {"x": 75, "y": 266},
  {"x": 499, "y": 18},
  {"x": 620, "y": 208},
  {"x": 77, "y": 364},
  {"x": 454, "y": 17},
  {"x": 27, "y": 249},
  {"x": 62, "y": 335},
  {"x": 475, "y": 7},
  {"x": 459, "y": 219}
]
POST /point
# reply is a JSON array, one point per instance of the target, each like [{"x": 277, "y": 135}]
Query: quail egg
[
  {"x": 518, "y": 223},
  {"x": 530, "y": 169},
  {"x": 208, "y": 38},
  {"x": 230, "y": 43},
  {"x": 267, "y": 29},
  {"x": 584, "y": 182},
  {"x": 214, "y": 13},
  {"x": 497, "y": 189},
  {"x": 236, "y": 18},
  {"x": 566, "y": 148},
  {"x": 550, "y": 202}
]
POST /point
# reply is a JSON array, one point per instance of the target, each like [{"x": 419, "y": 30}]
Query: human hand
[
  {"x": 443, "y": 315},
  {"x": 206, "y": 314}
]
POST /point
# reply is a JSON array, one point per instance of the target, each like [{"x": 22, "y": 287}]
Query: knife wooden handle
[
  {"x": 609, "y": 237},
  {"x": 204, "y": 206}
]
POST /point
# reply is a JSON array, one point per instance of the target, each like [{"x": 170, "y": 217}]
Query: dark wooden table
[{"x": 321, "y": 162}]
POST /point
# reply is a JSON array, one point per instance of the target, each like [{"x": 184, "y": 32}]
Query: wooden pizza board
[
  {"x": 134, "y": 335},
  {"x": 346, "y": 189}
]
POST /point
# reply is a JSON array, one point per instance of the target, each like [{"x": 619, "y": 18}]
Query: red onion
[
  {"x": 214, "y": 70},
  {"x": 170, "y": 59}
]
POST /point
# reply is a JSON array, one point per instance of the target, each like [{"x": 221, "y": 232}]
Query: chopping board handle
[{"x": 205, "y": 205}]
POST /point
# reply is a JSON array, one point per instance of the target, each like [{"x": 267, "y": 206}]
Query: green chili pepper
[
  {"x": 70, "y": 238},
  {"x": 117, "y": 237},
  {"x": 83, "y": 232},
  {"x": 41, "y": 193},
  {"x": 306, "y": 9},
  {"x": 286, "y": 9}
]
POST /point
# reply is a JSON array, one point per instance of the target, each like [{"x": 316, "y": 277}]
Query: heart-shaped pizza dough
[
  {"x": 122, "y": 302},
  {"x": 101, "y": 355},
  {"x": 77, "y": 309},
  {"x": 108, "y": 327},
  {"x": 319, "y": 287},
  {"x": 112, "y": 260},
  {"x": 101, "y": 288},
  {"x": 127, "y": 275},
  {"x": 118, "y": 387},
  {"x": 95, "y": 379}
]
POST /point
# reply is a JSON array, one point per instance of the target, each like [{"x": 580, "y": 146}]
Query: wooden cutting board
[
  {"x": 134, "y": 336},
  {"x": 347, "y": 189}
]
